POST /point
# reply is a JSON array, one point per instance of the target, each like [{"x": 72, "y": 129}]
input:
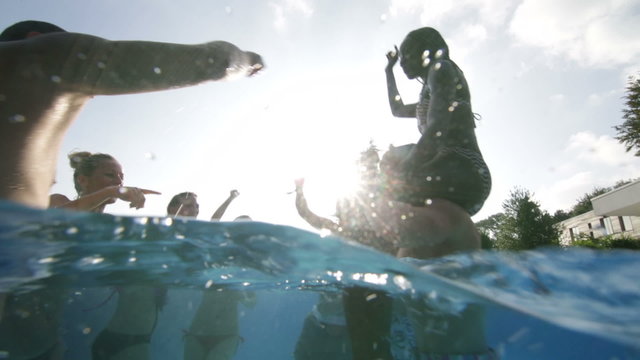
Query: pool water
[{"x": 561, "y": 303}]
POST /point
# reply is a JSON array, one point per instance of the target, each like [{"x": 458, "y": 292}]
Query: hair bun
[{"x": 76, "y": 159}]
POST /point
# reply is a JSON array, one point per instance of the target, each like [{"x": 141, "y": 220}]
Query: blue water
[{"x": 545, "y": 304}]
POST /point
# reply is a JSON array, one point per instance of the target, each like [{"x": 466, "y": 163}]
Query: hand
[
  {"x": 392, "y": 57},
  {"x": 234, "y": 194},
  {"x": 256, "y": 63},
  {"x": 135, "y": 196}
]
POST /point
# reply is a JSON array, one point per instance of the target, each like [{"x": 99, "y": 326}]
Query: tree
[
  {"x": 524, "y": 225},
  {"x": 583, "y": 204},
  {"x": 629, "y": 131}
]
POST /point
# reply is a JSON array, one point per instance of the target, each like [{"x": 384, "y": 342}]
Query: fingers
[
  {"x": 135, "y": 196},
  {"x": 150, "y": 192},
  {"x": 256, "y": 62}
]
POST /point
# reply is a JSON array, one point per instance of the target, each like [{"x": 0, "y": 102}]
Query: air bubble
[
  {"x": 429, "y": 178},
  {"x": 101, "y": 65},
  {"x": 56, "y": 79},
  {"x": 439, "y": 53},
  {"x": 438, "y": 66},
  {"x": 439, "y": 133},
  {"x": 397, "y": 98},
  {"x": 157, "y": 70},
  {"x": 425, "y": 54},
  {"x": 428, "y": 202},
  {"x": 426, "y": 62}
]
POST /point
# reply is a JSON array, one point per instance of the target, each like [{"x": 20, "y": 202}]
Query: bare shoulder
[{"x": 57, "y": 200}]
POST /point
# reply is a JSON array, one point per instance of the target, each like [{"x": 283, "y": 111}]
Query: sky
[{"x": 546, "y": 76}]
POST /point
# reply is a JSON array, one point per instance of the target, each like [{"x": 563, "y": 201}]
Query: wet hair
[
  {"x": 177, "y": 199},
  {"x": 85, "y": 163},
  {"x": 20, "y": 30},
  {"x": 429, "y": 39}
]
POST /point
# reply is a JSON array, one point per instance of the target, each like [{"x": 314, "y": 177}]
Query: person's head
[
  {"x": 420, "y": 49},
  {"x": 93, "y": 172},
  {"x": 184, "y": 204},
  {"x": 26, "y": 29}
]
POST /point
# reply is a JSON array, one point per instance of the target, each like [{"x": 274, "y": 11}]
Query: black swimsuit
[{"x": 446, "y": 162}]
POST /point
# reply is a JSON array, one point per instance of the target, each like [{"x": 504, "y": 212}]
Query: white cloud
[
  {"x": 600, "y": 33},
  {"x": 434, "y": 12},
  {"x": 589, "y": 161},
  {"x": 563, "y": 194},
  {"x": 557, "y": 98},
  {"x": 597, "y": 99},
  {"x": 285, "y": 9},
  {"x": 599, "y": 150}
]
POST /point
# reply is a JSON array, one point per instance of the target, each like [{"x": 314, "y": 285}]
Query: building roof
[{"x": 623, "y": 201}]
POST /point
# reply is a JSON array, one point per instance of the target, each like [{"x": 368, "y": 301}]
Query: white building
[{"x": 615, "y": 213}]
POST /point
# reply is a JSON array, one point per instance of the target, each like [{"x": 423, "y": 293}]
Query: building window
[
  {"x": 574, "y": 232},
  {"x": 606, "y": 224},
  {"x": 590, "y": 231},
  {"x": 625, "y": 223}
]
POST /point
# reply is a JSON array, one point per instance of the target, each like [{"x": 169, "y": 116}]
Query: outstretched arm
[
  {"x": 314, "y": 220},
  {"x": 94, "y": 66},
  {"x": 398, "y": 108},
  {"x": 217, "y": 215},
  {"x": 90, "y": 202}
]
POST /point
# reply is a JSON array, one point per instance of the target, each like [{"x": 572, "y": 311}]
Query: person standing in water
[
  {"x": 429, "y": 191},
  {"x": 47, "y": 75},
  {"x": 129, "y": 331}
]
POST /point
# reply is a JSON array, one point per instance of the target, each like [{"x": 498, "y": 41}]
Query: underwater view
[{"x": 302, "y": 179}]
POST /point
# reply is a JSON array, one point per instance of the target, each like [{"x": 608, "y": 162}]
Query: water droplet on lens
[
  {"x": 17, "y": 118},
  {"x": 56, "y": 79},
  {"x": 439, "y": 53},
  {"x": 397, "y": 98},
  {"x": 439, "y": 133},
  {"x": 428, "y": 202},
  {"x": 383, "y": 17},
  {"x": 228, "y": 9},
  {"x": 426, "y": 62},
  {"x": 428, "y": 178},
  {"x": 438, "y": 66},
  {"x": 101, "y": 65},
  {"x": 425, "y": 54},
  {"x": 157, "y": 70}
]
